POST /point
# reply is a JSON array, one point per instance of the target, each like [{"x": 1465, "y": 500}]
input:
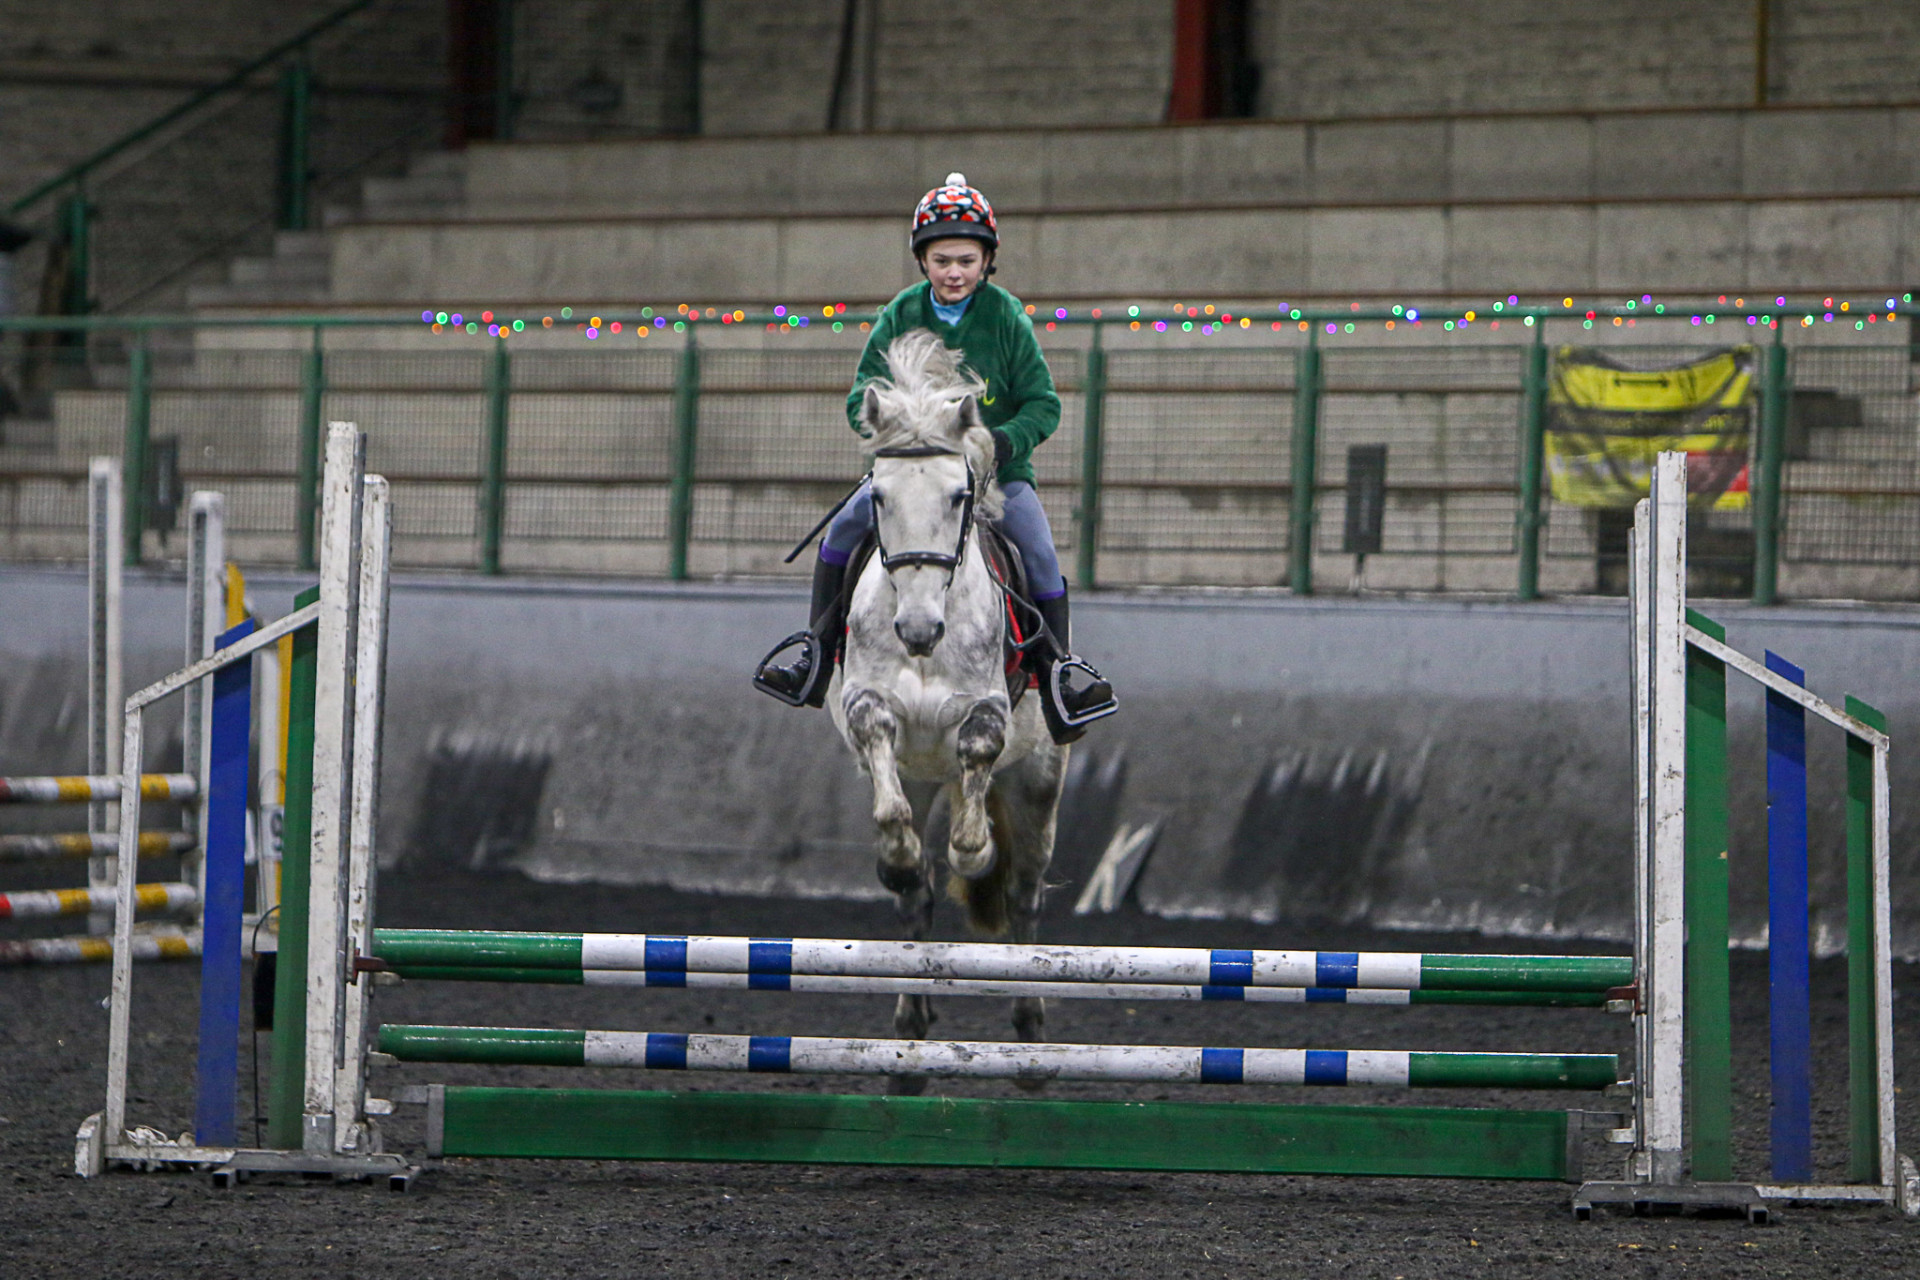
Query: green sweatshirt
[{"x": 997, "y": 337}]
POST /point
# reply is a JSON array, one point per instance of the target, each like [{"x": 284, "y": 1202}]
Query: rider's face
[{"x": 955, "y": 267}]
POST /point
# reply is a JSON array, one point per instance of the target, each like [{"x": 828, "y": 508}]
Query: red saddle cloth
[{"x": 1003, "y": 562}]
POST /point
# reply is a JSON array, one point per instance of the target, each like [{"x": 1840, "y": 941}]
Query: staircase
[{"x": 1429, "y": 209}]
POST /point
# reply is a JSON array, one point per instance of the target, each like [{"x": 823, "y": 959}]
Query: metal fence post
[
  {"x": 134, "y": 452},
  {"x": 1772, "y": 464},
  {"x": 296, "y": 130},
  {"x": 1093, "y": 456},
  {"x": 686, "y": 431},
  {"x": 1533, "y": 450},
  {"x": 76, "y": 215},
  {"x": 306, "y": 496},
  {"x": 493, "y": 485},
  {"x": 1306, "y": 462}
]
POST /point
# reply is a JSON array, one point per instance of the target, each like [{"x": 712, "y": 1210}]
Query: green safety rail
[{"x": 1301, "y": 490}]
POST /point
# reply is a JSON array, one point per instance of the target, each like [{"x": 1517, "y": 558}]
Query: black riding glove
[{"x": 1002, "y": 451}]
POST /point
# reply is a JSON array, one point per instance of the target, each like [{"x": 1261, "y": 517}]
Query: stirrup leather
[
  {"x": 1056, "y": 689},
  {"x": 818, "y": 674}
]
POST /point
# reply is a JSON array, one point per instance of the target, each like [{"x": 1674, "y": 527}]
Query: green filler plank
[{"x": 593, "y": 1124}]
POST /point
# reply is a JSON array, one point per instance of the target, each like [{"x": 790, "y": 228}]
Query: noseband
[{"x": 937, "y": 559}]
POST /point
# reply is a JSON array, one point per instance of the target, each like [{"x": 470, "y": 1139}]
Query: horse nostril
[{"x": 939, "y": 629}]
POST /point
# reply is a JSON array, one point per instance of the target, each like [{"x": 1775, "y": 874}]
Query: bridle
[{"x": 937, "y": 559}]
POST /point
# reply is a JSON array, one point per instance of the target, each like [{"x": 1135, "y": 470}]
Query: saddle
[{"x": 1026, "y": 634}]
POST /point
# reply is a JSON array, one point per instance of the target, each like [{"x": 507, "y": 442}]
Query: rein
[{"x": 937, "y": 559}]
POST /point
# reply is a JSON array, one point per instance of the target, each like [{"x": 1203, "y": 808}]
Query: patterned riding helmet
[{"x": 954, "y": 209}]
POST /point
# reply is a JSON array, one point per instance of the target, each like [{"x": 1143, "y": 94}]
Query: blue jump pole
[
  {"x": 1789, "y": 992},
  {"x": 223, "y": 821}
]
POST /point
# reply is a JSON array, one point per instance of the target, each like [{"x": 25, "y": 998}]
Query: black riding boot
[
  {"x": 803, "y": 682},
  {"x": 1069, "y": 710}
]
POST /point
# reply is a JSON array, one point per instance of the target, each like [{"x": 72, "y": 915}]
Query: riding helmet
[{"x": 954, "y": 209}]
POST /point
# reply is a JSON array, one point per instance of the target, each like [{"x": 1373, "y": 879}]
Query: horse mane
[{"x": 925, "y": 401}]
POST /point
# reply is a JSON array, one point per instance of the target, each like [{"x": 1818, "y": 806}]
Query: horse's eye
[
  {"x": 879, "y": 499},
  {"x": 959, "y": 497}
]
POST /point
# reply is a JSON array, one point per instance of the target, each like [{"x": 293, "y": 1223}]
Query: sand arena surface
[{"x": 476, "y": 1219}]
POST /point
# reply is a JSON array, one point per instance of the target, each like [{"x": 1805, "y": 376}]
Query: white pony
[{"x": 923, "y": 697}]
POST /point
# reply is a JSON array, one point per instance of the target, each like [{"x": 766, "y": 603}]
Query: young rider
[{"x": 954, "y": 238}]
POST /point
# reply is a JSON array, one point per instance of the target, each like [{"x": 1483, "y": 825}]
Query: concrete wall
[
  {"x": 769, "y": 67},
  {"x": 1326, "y": 58},
  {"x": 1416, "y": 764}
]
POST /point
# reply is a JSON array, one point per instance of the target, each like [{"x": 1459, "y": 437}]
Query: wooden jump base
[
  {"x": 798, "y": 1128},
  {"x": 321, "y": 1119}
]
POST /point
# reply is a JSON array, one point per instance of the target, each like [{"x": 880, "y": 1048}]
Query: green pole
[
  {"x": 286, "y": 1080},
  {"x": 1708, "y": 1000},
  {"x": 493, "y": 487},
  {"x": 77, "y": 214},
  {"x": 686, "y": 430},
  {"x": 306, "y": 497},
  {"x": 134, "y": 453},
  {"x": 1092, "y": 463},
  {"x": 1306, "y": 461},
  {"x": 296, "y": 134},
  {"x": 1772, "y": 464},
  {"x": 1863, "y": 1111},
  {"x": 1533, "y": 454},
  {"x": 503, "y": 71}
]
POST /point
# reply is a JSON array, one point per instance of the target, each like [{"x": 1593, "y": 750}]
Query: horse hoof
[
  {"x": 971, "y": 866},
  {"x": 1032, "y": 1084},
  {"x": 906, "y": 1086},
  {"x": 901, "y": 879}
]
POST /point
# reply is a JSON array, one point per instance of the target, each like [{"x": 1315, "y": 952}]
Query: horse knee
[
  {"x": 982, "y": 736},
  {"x": 870, "y": 721}
]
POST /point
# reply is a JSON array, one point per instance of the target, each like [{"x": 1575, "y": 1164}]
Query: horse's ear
[
  {"x": 970, "y": 414},
  {"x": 870, "y": 412}
]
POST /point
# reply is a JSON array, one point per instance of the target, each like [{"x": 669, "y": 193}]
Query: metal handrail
[{"x": 75, "y": 173}]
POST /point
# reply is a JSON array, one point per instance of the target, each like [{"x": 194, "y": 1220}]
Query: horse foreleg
[
  {"x": 1031, "y": 796},
  {"x": 872, "y": 726},
  {"x": 981, "y": 739}
]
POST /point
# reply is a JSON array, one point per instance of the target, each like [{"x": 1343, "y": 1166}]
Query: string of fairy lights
[{"x": 1210, "y": 319}]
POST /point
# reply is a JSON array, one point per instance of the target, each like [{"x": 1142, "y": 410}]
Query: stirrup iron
[
  {"x": 1055, "y": 689},
  {"x": 819, "y": 674}
]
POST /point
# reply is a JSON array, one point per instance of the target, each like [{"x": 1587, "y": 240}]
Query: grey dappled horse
[{"x": 922, "y": 698}]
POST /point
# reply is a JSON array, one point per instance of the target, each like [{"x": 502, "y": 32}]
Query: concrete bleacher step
[
  {"x": 1448, "y": 206},
  {"x": 299, "y": 270},
  {"x": 434, "y": 186}
]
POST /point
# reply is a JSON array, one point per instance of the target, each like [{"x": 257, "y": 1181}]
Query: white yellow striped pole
[
  {"x": 82, "y": 844},
  {"x": 80, "y": 902},
  {"x": 88, "y": 950},
  {"x": 83, "y": 788}
]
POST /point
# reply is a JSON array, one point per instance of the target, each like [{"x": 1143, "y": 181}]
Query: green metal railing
[
  {"x": 293, "y": 204},
  {"x": 1300, "y": 491}
]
